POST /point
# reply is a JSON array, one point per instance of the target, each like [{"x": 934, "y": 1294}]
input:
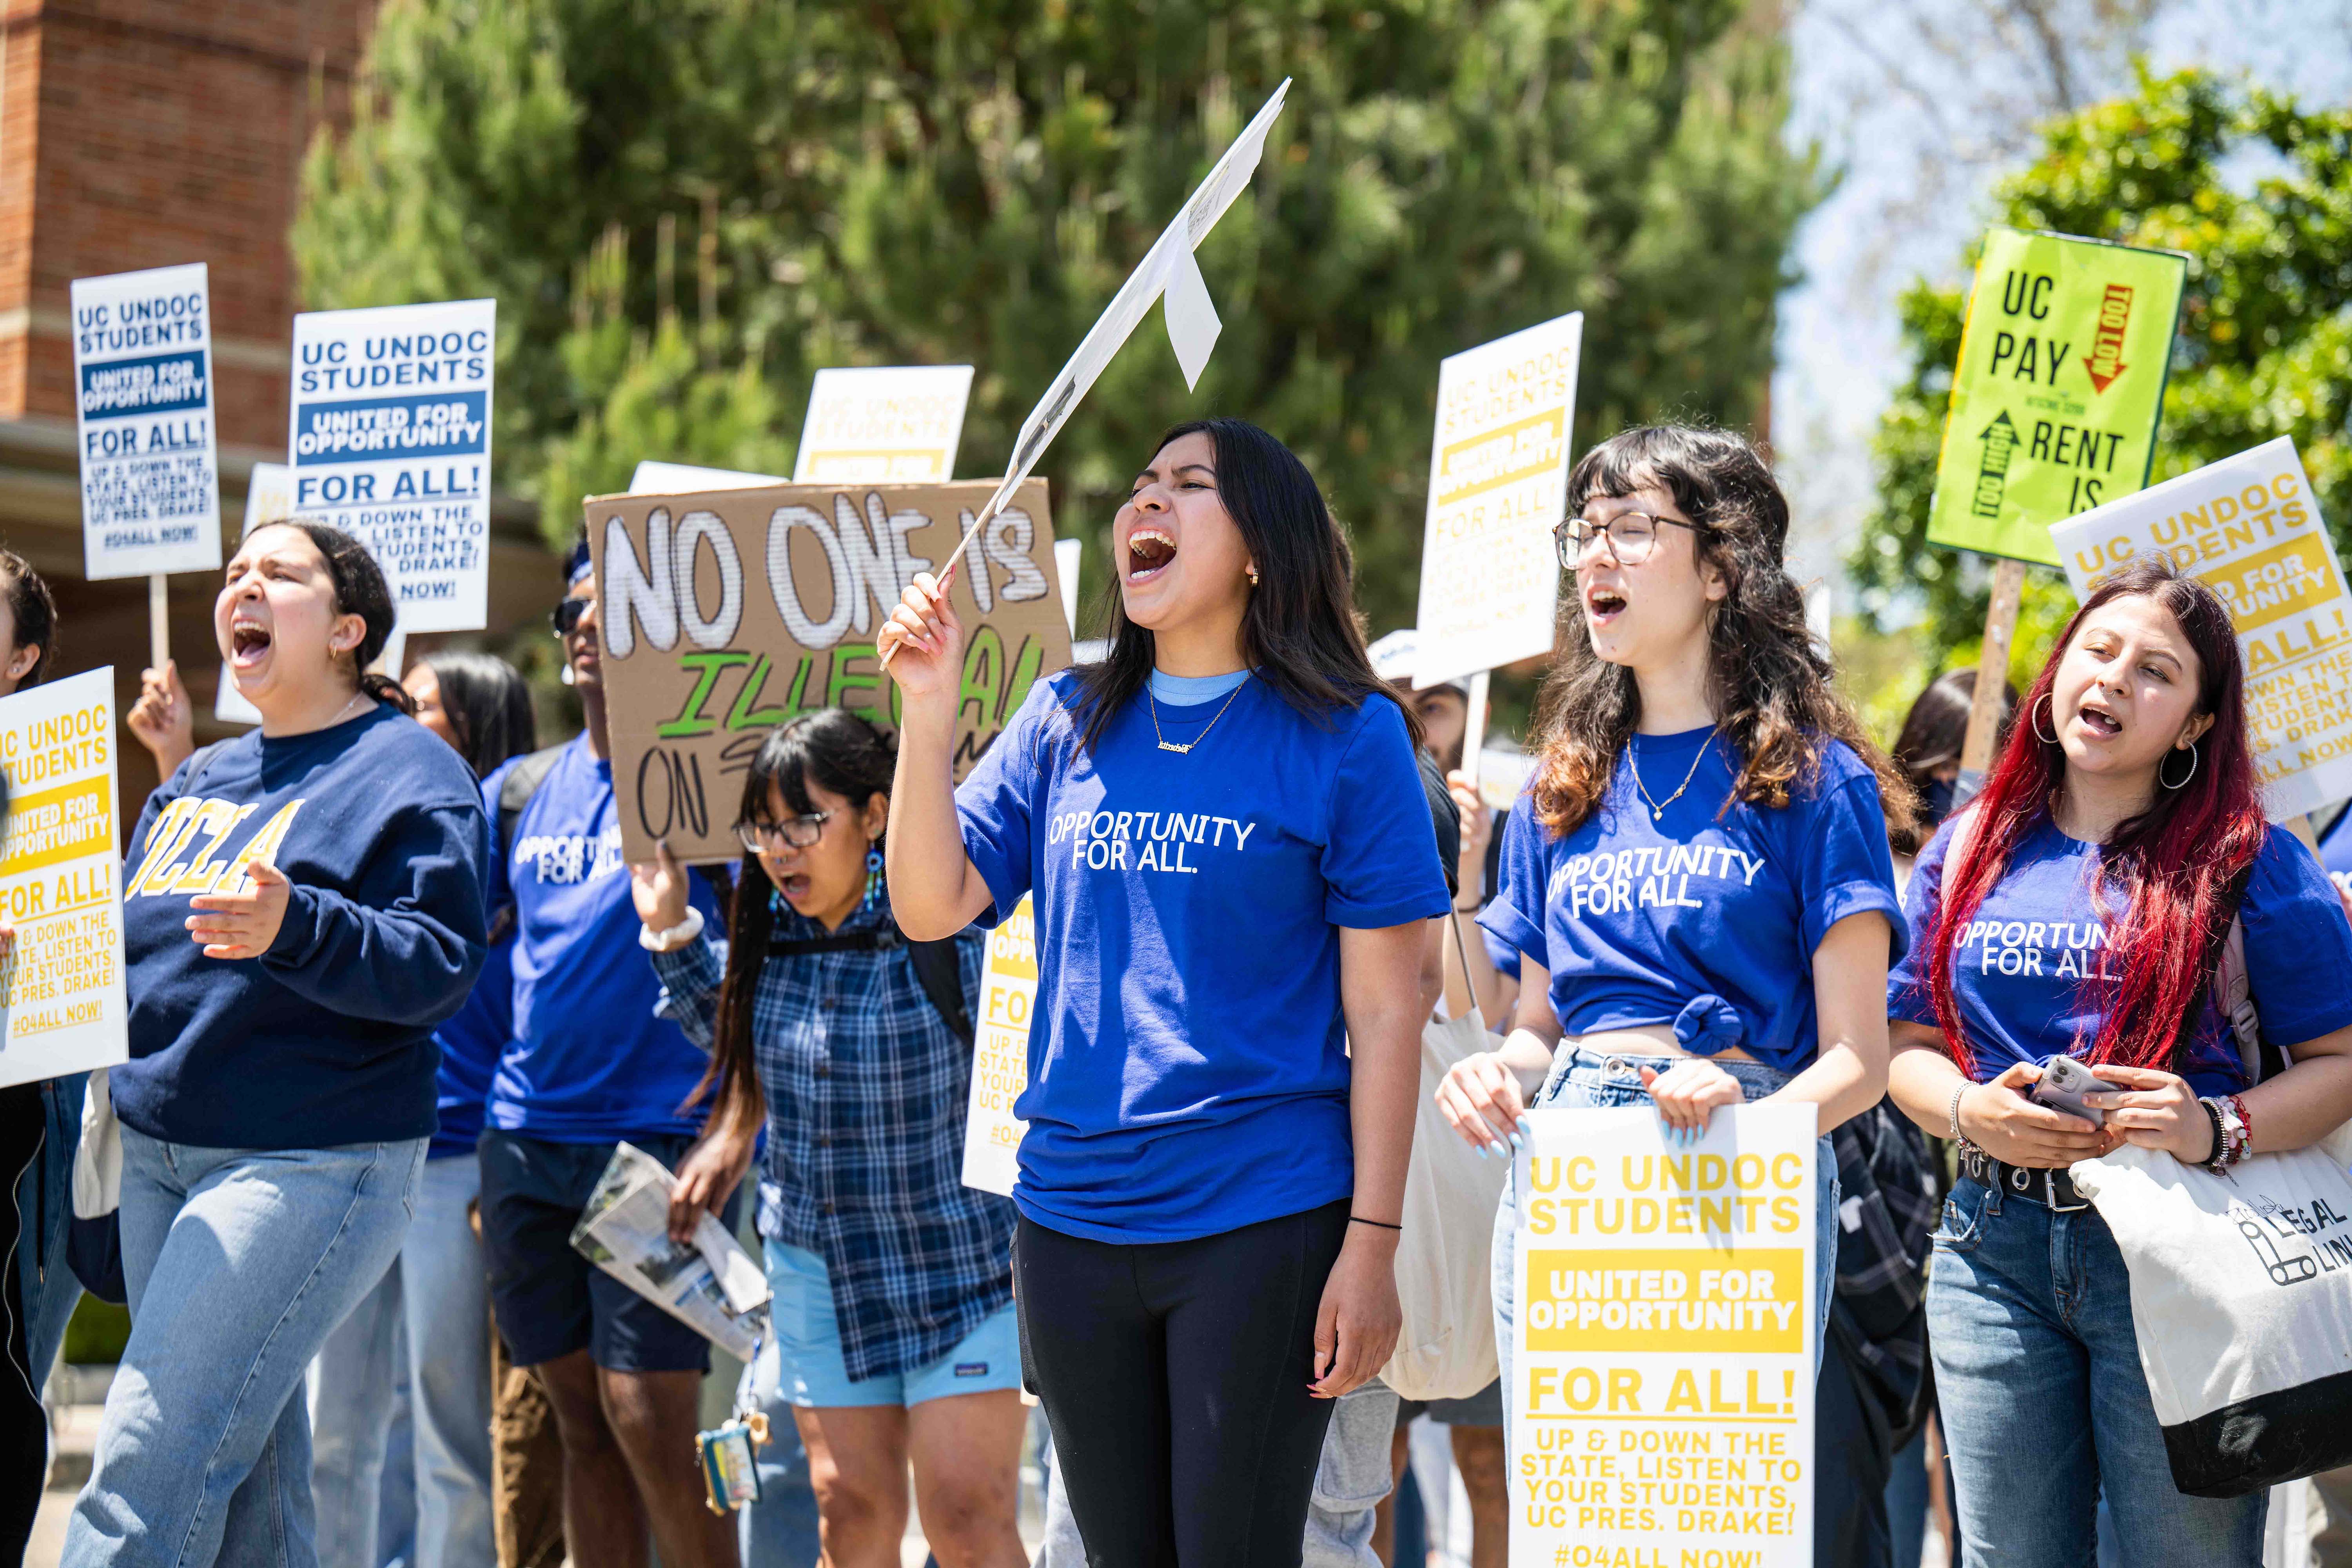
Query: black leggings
[{"x": 1175, "y": 1375}]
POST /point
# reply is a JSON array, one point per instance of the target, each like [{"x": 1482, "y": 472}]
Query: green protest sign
[{"x": 2055, "y": 399}]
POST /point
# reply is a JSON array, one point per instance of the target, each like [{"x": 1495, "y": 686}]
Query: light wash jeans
[
  {"x": 1581, "y": 1078},
  {"x": 44, "y": 1284},
  {"x": 362, "y": 1474},
  {"x": 240, "y": 1263},
  {"x": 2044, "y": 1403}
]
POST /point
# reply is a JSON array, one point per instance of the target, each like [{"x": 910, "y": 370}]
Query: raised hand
[
  {"x": 163, "y": 720},
  {"x": 928, "y": 640},
  {"x": 658, "y": 888}
]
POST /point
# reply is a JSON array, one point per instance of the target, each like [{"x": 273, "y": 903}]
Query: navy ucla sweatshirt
[{"x": 327, "y": 1037}]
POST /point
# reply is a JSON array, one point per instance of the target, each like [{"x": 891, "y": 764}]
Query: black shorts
[{"x": 549, "y": 1301}]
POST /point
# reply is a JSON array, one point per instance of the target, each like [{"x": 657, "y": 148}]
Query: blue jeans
[
  {"x": 445, "y": 1307},
  {"x": 240, "y": 1263},
  {"x": 779, "y": 1529},
  {"x": 44, "y": 1198},
  {"x": 2044, "y": 1405},
  {"x": 1587, "y": 1078},
  {"x": 363, "y": 1486}
]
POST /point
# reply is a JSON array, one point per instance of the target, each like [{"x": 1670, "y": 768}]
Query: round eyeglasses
[
  {"x": 1631, "y": 535},
  {"x": 775, "y": 837}
]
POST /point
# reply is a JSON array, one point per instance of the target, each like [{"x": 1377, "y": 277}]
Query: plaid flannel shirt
[
  {"x": 1887, "y": 1207},
  {"x": 866, "y": 1099}
]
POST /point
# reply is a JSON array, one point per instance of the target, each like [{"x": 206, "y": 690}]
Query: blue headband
[{"x": 577, "y": 570}]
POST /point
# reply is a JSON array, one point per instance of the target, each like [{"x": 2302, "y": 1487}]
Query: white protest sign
[
  {"x": 1497, "y": 480},
  {"x": 2249, "y": 527},
  {"x": 1189, "y": 332},
  {"x": 653, "y": 479},
  {"x": 144, "y": 416},
  {"x": 1660, "y": 1394},
  {"x": 883, "y": 425},
  {"x": 391, "y": 443},
  {"x": 1000, "y": 1055},
  {"x": 61, "y": 994}
]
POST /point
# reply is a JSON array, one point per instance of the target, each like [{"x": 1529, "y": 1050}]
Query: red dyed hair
[{"x": 2172, "y": 862}]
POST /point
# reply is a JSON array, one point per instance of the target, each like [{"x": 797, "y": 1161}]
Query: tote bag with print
[{"x": 2242, "y": 1299}]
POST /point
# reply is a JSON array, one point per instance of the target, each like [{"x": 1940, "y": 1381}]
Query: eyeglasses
[
  {"x": 775, "y": 837},
  {"x": 569, "y": 613},
  {"x": 1631, "y": 535}
]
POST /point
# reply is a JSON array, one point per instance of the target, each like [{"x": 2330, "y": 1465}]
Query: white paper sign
[
  {"x": 61, "y": 993},
  {"x": 144, "y": 414},
  {"x": 872, "y": 426},
  {"x": 653, "y": 479},
  {"x": 1145, "y": 284},
  {"x": 2250, "y": 528},
  {"x": 1497, "y": 480},
  {"x": 1660, "y": 1394},
  {"x": 391, "y": 442},
  {"x": 1000, "y": 1055}
]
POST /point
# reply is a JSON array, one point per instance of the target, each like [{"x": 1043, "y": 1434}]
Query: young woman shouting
[
  {"x": 301, "y": 907},
  {"x": 2074, "y": 908},
  {"x": 1233, "y": 860},
  {"x": 1697, "y": 877},
  {"x": 895, "y": 1339}
]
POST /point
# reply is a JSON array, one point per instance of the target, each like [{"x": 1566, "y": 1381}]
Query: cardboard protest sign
[
  {"x": 1000, "y": 1055},
  {"x": 61, "y": 992},
  {"x": 883, "y": 425},
  {"x": 1497, "y": 479},
  {"x": 2250, "y": 527},
  {"x": 2058, "y": 390},
  {"x": 144, "y": 416},
  {"x": 725, "y": 614},
  {"x": 1661, "y": 1392},
  {"x": 390, "y": 441}
]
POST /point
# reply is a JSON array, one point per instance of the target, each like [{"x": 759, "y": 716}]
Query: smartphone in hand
[{"x": 2065, "y": 1082}]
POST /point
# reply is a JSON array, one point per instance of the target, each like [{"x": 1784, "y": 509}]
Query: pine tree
[{"x": 685, "y": 209}]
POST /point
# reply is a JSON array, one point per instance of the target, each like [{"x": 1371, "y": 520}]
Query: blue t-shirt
[
  {"x": 1188, "y": 1067},
  {"x": 472, "y": 1044},
  {"x": 2019, "y": 966},
  {"x": 1705, "y": 919},
  {"x": 327, "y": 1037},
  {"x": 587, "y": 1061},
  {"x": 2336, "y": 850}
]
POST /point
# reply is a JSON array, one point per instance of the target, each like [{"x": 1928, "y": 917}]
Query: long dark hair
[
  {"x": 34, "y": 610},
  {"x": 1933, "y": 734},
  {"x": 2173, "y": 860},
  {"x": 840, "y": 752},
  {"x": 1299, "y": 633},
  {"x": 359, "y": 590},
  {"x": 1771, "y": 684},
  {"x": 489, "y": 706}
]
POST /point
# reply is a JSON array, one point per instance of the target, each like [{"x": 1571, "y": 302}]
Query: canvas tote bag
[
  {"x": 1446, "y": 1349},
  {"x": 2242, "y": 1298}
]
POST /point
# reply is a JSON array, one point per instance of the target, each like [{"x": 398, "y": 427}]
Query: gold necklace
[
  {"x": 1658, "y": 807},
  {"x": 1168, "y": 745}
]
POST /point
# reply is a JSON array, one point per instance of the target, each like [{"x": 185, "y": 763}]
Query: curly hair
[{"x": 1771, "y": 686}]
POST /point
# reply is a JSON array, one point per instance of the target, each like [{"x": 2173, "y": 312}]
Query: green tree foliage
[
  {"x": 686, "y": 208},
  {"x": 2258, "y": 192}
]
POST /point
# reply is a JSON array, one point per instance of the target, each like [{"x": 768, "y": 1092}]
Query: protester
[
  {"x": 279, "y": 1097},
  {"x": 2126, "y": 825},
  {"x": 893, "y": 1281},
  {"x": 1689, "y": 714},
  {"x": 1234, "y": 868},
  {"x": 589, "y": 1066},
  {"x": 1928, "y": 750},
  {"x": 40, "y": 1124},
  {"x": 410, "y": 1367}
]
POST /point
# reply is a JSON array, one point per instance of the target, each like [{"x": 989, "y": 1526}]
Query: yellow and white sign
[
  {"x": 2250, "y": 527},
  {"x": 882, "y": 425},
  {"x": 61, "y": 986},
  {"x": 1497, "y": 476},
  {"x": 1661, "y": 1375},
  {"x": 1000, "y": 1055}
]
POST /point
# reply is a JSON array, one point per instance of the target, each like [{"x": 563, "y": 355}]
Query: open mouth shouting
[
  {"x": 248, "y": 643},
  {"x": 1149, "y": 549},
  {"x": 2094, "y": 716},
  {"x": 1603, "y": 603}
]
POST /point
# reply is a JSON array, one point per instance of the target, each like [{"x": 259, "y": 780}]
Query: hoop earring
[
  {"x": 2185, "y": 778},
  {"x": 2033, "y": 717}
]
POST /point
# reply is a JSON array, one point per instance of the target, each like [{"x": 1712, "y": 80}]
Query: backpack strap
[
  {"x": 938, "y": 969},
  {"x": 521, "y": 783}
]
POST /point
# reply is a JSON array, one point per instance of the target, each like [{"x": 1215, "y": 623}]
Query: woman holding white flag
[
  {"x": 2075, "y": 911},
  {"x": 1697, "y": 877},
  {"x": 1233, "y": 860}
]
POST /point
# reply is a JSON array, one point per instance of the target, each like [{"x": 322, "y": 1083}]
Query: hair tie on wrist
[{"x": 1381, "y": 1224}]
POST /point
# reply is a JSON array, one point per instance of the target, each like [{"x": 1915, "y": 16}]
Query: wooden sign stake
[
  {"x": 158, "y": 621},
  {"x": 1992, "y": 674}
]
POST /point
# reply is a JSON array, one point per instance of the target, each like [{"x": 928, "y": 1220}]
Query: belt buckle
[{"x": 2050, "y": 1194}]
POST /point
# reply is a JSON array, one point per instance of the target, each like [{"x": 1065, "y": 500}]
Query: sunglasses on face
[{"x": 569, "y": 613}]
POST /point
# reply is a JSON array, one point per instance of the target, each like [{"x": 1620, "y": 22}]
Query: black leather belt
[{"x": 2052, "y": 1189}]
